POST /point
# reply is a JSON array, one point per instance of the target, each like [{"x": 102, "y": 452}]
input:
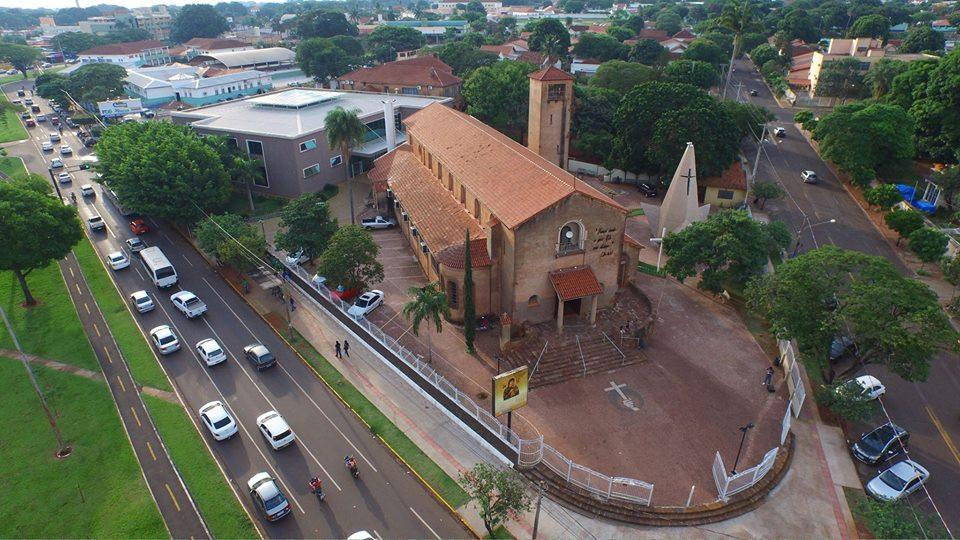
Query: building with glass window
[
  {"x": 284, "y": 130},
  {"x": 192, "y": 85},
  {"x": 420, "y": 76}
]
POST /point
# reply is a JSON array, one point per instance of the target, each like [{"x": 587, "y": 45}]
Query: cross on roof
[{"x": 689, "y": 176}]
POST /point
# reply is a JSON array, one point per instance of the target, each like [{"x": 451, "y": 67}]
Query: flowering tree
[{"x": 499, "y": 493}]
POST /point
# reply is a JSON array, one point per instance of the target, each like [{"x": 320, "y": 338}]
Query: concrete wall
[{"x": 711, "y": 196}]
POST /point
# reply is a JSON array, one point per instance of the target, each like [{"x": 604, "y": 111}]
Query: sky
[{"x": 56, "y": 4}]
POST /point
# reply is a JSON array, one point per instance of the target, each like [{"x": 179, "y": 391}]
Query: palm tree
[
  {"x": 429, "y": 303},
  {"x": 740, "y": 17},
  {"x": 344, "y": 129},
  {"x": 248, "y": 171}
]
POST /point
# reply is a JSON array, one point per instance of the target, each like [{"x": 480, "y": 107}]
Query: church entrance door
[{"x": 571, "y": 307}]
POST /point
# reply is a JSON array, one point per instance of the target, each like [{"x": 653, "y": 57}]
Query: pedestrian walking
[
  {"x": 346, "y": 347},
  {"x": 293, "y": 305},
  {"x": 768, "y": 380},
  {"x": 337, "y": 347}
]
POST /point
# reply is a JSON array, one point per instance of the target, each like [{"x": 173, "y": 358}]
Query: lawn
[
  {"x": 97, "y": 492},
  {"x": 223, "y": 514},
  {"x": 51, "y": 328},
  {"x": 11, "y": 165},
  {"x": 380, "y": 425},
  {"x": 136, "y": 351},
  {"x": 240, "y": 205},
  {"x": 11, "y": 129}
]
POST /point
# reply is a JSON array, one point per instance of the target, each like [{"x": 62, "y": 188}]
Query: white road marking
[
  {"x": 429, "y": 528},
  {"x": 139, "y": 274},
  {"x": 186, "y": 259}
]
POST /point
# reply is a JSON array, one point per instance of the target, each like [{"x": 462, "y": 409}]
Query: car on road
[
  {"x": 56, "y": 163},
  {"x": 647, "y": 189},
  {"x": 366, "y": 303},
  {"x": 378, "y": 222},
  {"x": 117, "y": 260},
  {"x": 779, "y": 132},
  {"x": 275, "y": 430},
  {"x": 147, "y": 113},
  {"x": 35, "y": 108},
  {"x": 24, "y": 115},
  {"x": 753, "y": 93},
  {"x": 46, "y": 146},
  {"x": 65, "y": 150},
  {"x": 54, "y": 137},
  {"x": 259, "y": 356},
  {"x": 28, "y": 101},
  {"x": 267, "y": 497},
  {"x": 30, "y": 122},
  {"x": 211, "y": 352},
  {"x": 361, "y": 535},
  {"x": 87, "y": 190},
  {"x": 218, "y": 420},
  {"x": 55, "y": 120},
  {"x": 164, "y": 339},
  {"x": 188, "y": 303},
  {"x": 95, "y": 222},
  {"x": 297, "y": 258},
  {"x": 138, "y": 227},
  {"x": 809, "y": 177},
  {"x": 70, "y": 123},
  {"x": 64, "y": 178},
  {"x": 142, "y": 302},
  {"x": 135, "y": 244},
  {"x": 880, "y": 444},
  {"x": 898, "y": 481},
  {"x": 866, "y": 387},
  {"x": 91, "y": 142},
  {"x": 41, "y": 118}
]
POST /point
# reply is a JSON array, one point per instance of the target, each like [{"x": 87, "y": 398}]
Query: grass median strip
[
  {"x": 10, "y": 165},
  {"x": 440, "y": 481},
  {"x": 10, "y": 127}
]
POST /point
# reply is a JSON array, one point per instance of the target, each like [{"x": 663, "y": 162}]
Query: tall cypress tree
[{"x": 469, "y": 310}]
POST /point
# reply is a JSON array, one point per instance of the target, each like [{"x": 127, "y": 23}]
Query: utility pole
[
  {"x": 739, "y": 87},
  {"x": 536, "y": 516},
  {"x": 756, "y": 160}
]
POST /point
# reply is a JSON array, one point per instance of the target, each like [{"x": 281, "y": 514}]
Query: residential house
[
  {"x": 420, "y": 76},
  {"x": 724, "y": 191},
  {"x": 868, "y": 51},
  {"x": 131, "y": 54}
]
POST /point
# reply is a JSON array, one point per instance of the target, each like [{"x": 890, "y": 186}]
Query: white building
[
  {"x": 193, "y": 85},
  {"x": 132, "y": 54}
]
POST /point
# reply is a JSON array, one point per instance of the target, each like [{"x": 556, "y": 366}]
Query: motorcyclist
[
  {"x": 352, "y": 465},
  {"x": 73, "y": 197}
]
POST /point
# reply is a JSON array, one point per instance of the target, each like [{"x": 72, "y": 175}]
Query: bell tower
[{"x": 548, "y": 127}]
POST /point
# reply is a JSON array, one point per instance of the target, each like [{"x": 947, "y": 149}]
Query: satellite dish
[{"x": 569, "y": 235}]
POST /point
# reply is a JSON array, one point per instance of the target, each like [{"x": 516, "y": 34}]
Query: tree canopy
[
  {"x": 499, "y": 494},
  {"x": 498, "y": 95},
  {"x": 705, "y": 51},
  {"x": 874, "y": 26},
  {"x": 592, "y": 123},
  {"x": 463, "y": 58},
  {"x": 922, "y": 38},
  {"x": 306, "y": 223},
  {"x": 324, "y": 23},
  {"x": 21, "y": 57},
  {"x": 668, "y": 21},
  {"x": 197, "y": 20},
  {"x": 881, "y": 75},
  {"x": 648, "y": 51},
  {"x": 903, "y": 222},
  {"x": 929, "y": 245},
  {"x": 550, "y": 37},
  {"x": 231, "y": 240},
  {"x": 321, "y": 59},
  {"x": 698, "y": 73},
  {"x": 622, "y": 76},
  {"x": 601, "y": 47},
  {"x": 842, "y": 79},
  {"x": 386, "y": 41},
  {"x": 350, "y": 259}
]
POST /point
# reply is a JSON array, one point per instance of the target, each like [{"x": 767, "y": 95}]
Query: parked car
[
  {"x": 138, "y": 227},
  {"x": 56, "y": 163},
  {"x": 20, "y": 93},
  {"x": 297, "y": 258},
  {"x": 378, "y": 222},
  {"x": 367, "y": 302},
  {"x": 87, "y": 190},
  {"x": 135, "y": 244},
  {"x": 898, "y": 481},
  {"x": 188, "y": 303},
  {"x": 46, "y": 146},
  {"x": 54, "y": 137},
  {"x": 275, "y": 430},
  {"x": 142, "y": 302},
  {"x": 809, "y": 177},
  {"x": 117, "y": 260},
  {"x": 259, "y": 356},
  {"x": 753, "y": 93},
  {"x": 880, "y": 444},
  {"x": 866, "y": 387},
  {"x": 211, "y": 352},
  {"x": 28, "y": 101},
  {"x": 64, "y": 178},
  {"x": 164, "y": 339},
  {"x": 65, "y": 150},
  {"x": 147, "y": 113},
  {"x": 267, "y": 497},
  {"x": 779, "y": 132},
  {"x": 218, "y": 420},
  {"x": 647, "y": 189}
]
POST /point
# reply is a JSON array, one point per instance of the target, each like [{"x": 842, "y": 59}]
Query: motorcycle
[
  {"x": 316, "y": 487},
  {"x": 352, "y": 466}
]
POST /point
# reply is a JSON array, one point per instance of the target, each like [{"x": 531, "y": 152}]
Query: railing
[
  {"x": 582, "y": 359},
  {"x": 728, "y": 485},
  {"x": 798, "y": 391}
]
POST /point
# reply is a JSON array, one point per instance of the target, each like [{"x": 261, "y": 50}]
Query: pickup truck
[
  {"x": 188, "y": 303},
  {"x": 378, "y": 222}
]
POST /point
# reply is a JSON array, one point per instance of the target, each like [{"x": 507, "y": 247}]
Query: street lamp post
[
  {"x": 807, "y": 225},
  {"x": 743, "y": 431}
]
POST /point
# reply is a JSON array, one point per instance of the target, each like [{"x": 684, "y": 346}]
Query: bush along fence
[{"x": 532, "y": 455}]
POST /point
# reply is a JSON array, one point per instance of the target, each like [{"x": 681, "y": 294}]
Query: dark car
[
  {"x": 24, "y": 115},
  {"x": 90, "y": 142},
  {"x": 21, "y": 93},
  {"x": 753, "y": 92},
  {"x": 880, "y": 444},
  {"x": 259, "y": 356},
  {"x": 35, "y": 108},
  {"x": 648, "y": 189}
]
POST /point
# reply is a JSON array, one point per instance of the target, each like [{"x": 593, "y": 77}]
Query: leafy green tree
[
  {"x": 761, "y": 54},
  {"x": 898, "y": 519},
  {"x": 550, "y": 37},
  {"x": 344, "y": 130},
  {"x": 738, "y": 16},
  {"x": 870, "y": 26},
  {"x": 162, "y": 170},
  {"x": 321, "y": 59},
  {"x": 38, "y": 229},
  {"x": 231, "y": 240},
  {"x": 929, "y": 245},
  {"x": 823, "y": 293},
  {"x": 866, "y": 137},
  {"x": 802, "y": 117},
  {"x": 600, "y": 46},
  {"x": 668, "y": 21},
  {"x": 948, "y": 180},
  {"x": 635, "y": 22},
  {"x": 469, "y": 309},
  {"x": 620, "y": 33},
  {"x": 922, "y": 38},
  {"x": 306, "y": 223},
  {"x": 881, "y": 75},
  {"x": 729, "y": 246},
  {"x": 96, "y": 82},
  {"x": 21, "y": 57},
  {"x": 350, "y": 259},
  {"x": 427, "y": 303},
  {"x": 842, "y": 79},
  {"x": 72, "y": 43},
  {"x": 903, "y": 222},
  {"x": 498, "y": 95},
  {"x": 695, "y": 72},
  {"x": 799, "y": 24},
  {"x": 592, "y": 123},
  {"x": 499, "y": 494},
  {"x": 845, "y": 400},
  {"x": 463, "y": 58},
  {"x": 648, "y": 52},
  {"x": 950, "y": 268},
  {"x": 349, "y": 45},
  {"x": 622, "y": 76},
  {"x": 721, "y": 38},
  {"x": 883, "y": 196},
  {"x": 324, "y": 24},
  {"x": 247, "y": 172},
  {"x": 197, "y": 20},
  {"x": 752, "y": 40},
  {"x": 936, "y": 109},
  {"x": 766, "y": 191},
  {"x": 386, "y": 41},
  {"x": 705, "y": 51},
  {"x": 748, "y": 118},
  {"x": 911, "y": 84}
]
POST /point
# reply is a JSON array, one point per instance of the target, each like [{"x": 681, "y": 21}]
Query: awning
[
  {"x": 575, "y": 282},
  {"x": 376, "y": 147}
]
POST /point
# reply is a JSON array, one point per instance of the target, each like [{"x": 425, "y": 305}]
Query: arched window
[{"x": 571, "y": 238}]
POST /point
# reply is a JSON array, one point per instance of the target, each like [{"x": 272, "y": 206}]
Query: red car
[
  {"x": 138, "y": 227},
  {"x": 55, "y": 120},
  {"x": 344, "y": 295},
  {"x": 31, "y": 122}
]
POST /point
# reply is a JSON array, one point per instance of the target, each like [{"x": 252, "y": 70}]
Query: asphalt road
[
  {"x": 929, "y": 410},
  {"x": 387, "y": 500}
]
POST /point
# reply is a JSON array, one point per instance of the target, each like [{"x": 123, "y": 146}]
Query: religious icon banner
[{"x": 510, "y": 390}]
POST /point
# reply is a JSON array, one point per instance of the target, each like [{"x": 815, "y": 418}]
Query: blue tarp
[{"x": 909, "y": 194}]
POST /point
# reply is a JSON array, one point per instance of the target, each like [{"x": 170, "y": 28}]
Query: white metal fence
[
  {"x": 791, "y": 367},
  {"x": 728, "y": 485},
  {"x": 530, "y": 451}
]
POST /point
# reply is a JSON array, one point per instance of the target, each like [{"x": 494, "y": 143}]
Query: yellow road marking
[
  {"x": 170, "y": 491},
  {"x": 135, "y": 417},
  {"x": 107, "y": 352},
  {"x": 97, "y": 328},
  {"x": 944, "y": 434},
  {"x": 77, "y": 285},
  {"x": 122, "y": 387},
  {"x": 86, "y": 307},
  {"x": 150, "y": 448}
]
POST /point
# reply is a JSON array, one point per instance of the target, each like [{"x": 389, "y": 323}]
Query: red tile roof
[
  {"x": 453, "y": 256},
  {"x": 422, "y": 71},
  {"x": 213, "y": 44},
  {"x": 511, "y": 180},
  {"x": 649, "y": 33},
  {"x": 576, "y": 282},
  {"x": 550, "y": 73},
  {"x": 130, "y": 47},
  {"x": 532, "y": 57},
  {"x": 732, "y": 178},
  {"x": 684, "y": 34},
  {"x": 505, "y": 50}
]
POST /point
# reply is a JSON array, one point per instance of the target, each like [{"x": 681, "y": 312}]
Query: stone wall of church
[{"x": 452, "y": 279}]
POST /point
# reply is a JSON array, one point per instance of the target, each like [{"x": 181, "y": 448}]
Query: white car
[
  {"x": 54, "y": 137},
  {"x": 211, "y": 352},
  {"x": 366, "y": 303},
  {"x": 297, "y": 258},
  {"x": 867, "y": 386},
  {"x": 64, "y": 177},
  {"x": 164, "y": 339},
  {"x": 56, "y": 163},
  {"x": 361, "y": 535},
  {"x": 900, "y": 480},
  {"x": 65, "y": 149},
  {"x": 809, "y": 177},
  {"x": 188, "y": 304},
  {"x": 135, "y": 244},
  {"x": 87, "y": 190},
  {"x": 275, "y": 430},
  {"x": 779, "y": 132},
  {"x": 142, "y": 302},
  {"x": 46, "y": 146},
  {"x": 117, "y": 260},
  {"x": 218, "y": 420},
  {"x": 267, "y": 497}
]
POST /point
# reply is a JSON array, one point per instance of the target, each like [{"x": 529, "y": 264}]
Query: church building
[{"x": 543, "y": 245}]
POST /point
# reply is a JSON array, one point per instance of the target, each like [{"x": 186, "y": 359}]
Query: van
[
  {"x": 95, "y": 222},
  {"x": 158, "y": 267}
]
